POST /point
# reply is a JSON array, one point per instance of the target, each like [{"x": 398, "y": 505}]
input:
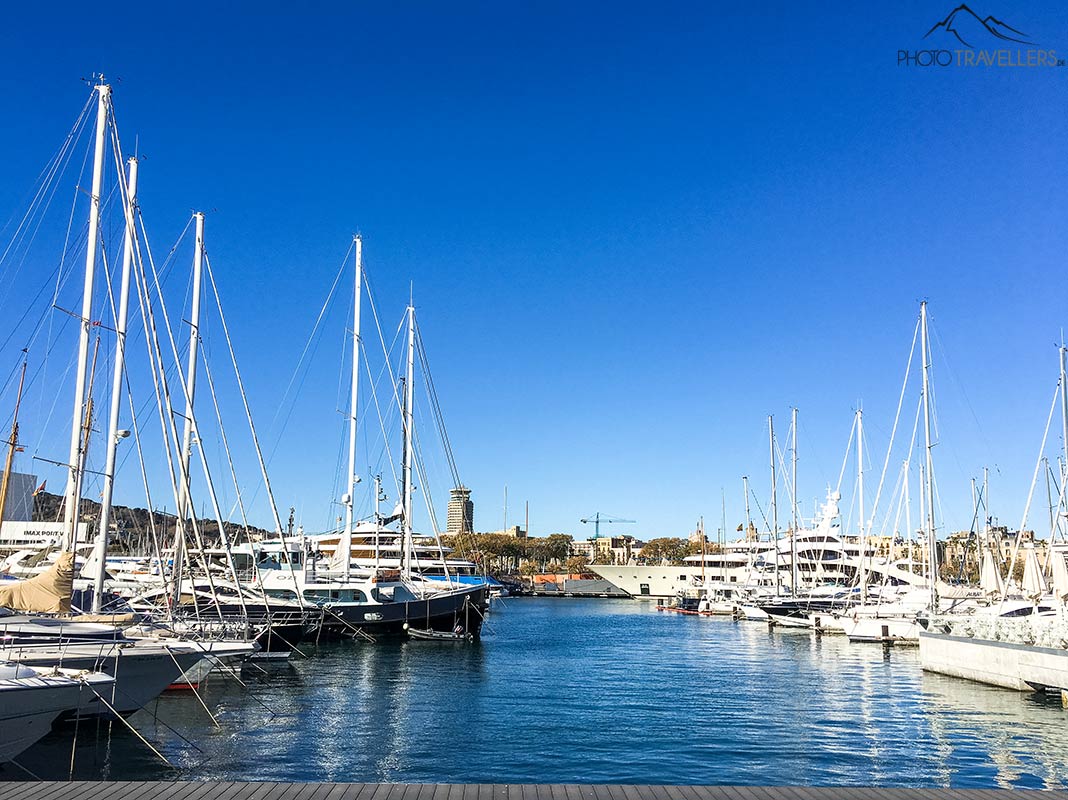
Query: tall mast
[
  {"x": 860, "y": 508},
  {"x": 793, "y": 504},
  {"x": 774, "y": 502},
  {"x": 346, "y": 537},
  {"x": 378, "y": 517},
  {"x": 745, "y": 487},
  {"x": 70, "y": 511},
  {"x": 11, "y": 446},
  {"x": 116, "y": 389},
  {"x": 722, "y": 532},
  {"x": 406, "y": 458},
  {"x": 986, "y": 505},
  {"x": 908, "y": 513},
  {"x": 1064, "y": 422},
  {"x": 701, "y": 531},
  {"x": 187, "y": 429},
  {"x": 923, "y": 516},
  {"x": 191, "y": 367},
  {"x": 932, "y": 542}
]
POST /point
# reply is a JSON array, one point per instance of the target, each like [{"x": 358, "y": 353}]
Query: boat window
[{"x": 281, "y": 594}]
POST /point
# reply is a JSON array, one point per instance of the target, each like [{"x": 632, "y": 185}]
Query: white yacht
[{"x": 824, "y": 556}]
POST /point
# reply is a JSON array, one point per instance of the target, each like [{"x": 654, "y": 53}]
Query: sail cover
[
  {"x": 990, "y": 576},
  {"x": 48, "y": 592}
]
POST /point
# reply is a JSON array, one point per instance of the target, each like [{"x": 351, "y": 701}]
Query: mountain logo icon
[{"x": 970, "y": 29}]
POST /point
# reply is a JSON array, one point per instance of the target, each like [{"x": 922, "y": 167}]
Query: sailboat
[{"x": 380, "y": 597}]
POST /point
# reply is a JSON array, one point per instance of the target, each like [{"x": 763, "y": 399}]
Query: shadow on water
[{"x": 595, "y": 691}]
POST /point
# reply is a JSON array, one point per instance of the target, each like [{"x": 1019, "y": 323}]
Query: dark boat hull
[{"x": 441, "y": 612}]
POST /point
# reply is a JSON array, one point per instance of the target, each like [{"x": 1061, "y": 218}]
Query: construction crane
[{"x": 598, "y": 518}]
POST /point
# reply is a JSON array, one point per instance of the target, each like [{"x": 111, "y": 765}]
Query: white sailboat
[{"x": 31, "y": 700}]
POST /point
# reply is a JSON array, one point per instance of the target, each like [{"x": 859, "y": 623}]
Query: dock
[{"x": 226, "y": 790}]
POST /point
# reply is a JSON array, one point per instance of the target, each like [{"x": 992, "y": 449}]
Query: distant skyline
[{"x": 631, "y": 235}]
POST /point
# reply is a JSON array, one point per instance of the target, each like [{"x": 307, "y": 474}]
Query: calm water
[{"x": 591, "y": 691}]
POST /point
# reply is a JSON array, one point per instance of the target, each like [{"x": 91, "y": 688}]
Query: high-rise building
[{"x": 461, "y": 511}]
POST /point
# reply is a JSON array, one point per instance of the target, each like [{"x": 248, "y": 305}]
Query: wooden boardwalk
[{"x": 226, "y": 790}]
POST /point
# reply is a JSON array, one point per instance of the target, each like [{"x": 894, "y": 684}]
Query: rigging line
[
  {"x": 767, "y": 525},
  {"x": 435, "y": 404},
  {"x": 27, "y": 242},
  {"x": 897, "y": 417},
  {"x": 848, "y": 453},
  {"x": 70, "y": 221},
  {"x": 195, "y": 429},
  {"x": 1027, "y": 507},
  {"x": 153, "y": 533},
  {"x": 226, "y": 449},
  {"x": 382, "y": 424},
  {"x": 308, "y": 342},
  {"x": 781, "y": 456},
  {"x": 166, "y": 417},
  {"x": 244, "y": 396},
  {"x": 397, "y": 405},
  {"x": 45, "y": 176},
  {"x": 959, "y": 384}
]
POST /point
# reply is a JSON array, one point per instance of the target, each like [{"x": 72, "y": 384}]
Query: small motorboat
[{"x": 458, "y": 634}]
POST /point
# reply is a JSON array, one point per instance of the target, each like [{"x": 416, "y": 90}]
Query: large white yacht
[{"x": 824, "y": 556}]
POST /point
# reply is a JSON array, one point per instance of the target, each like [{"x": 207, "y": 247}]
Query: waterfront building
[
  {"x": 607, "y": 549},
  {"x": 515, "y": 531},
  {"x": 461, "y": 511}
]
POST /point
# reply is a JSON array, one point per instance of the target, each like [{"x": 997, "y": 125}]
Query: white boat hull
[{"x": 885, "y": 630}]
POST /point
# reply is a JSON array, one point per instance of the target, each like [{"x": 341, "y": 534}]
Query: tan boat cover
[{"x": 48, "y": 592}]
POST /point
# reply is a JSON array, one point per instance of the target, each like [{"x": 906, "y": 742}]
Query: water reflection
[{"x": 591, "y": 691}]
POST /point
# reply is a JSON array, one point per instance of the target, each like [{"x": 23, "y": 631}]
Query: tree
[
  {"x": 667, "y": 549},
  {"x": 529, "y": 569},
  {"x": 558, "y": 546},
  {"x": 577, "y": 565}
]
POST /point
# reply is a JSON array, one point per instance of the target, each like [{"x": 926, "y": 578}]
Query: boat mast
[
  {"x": 406, "y": 459},
  {"x": 701, "y": 531},
  {"x": 378, "y": 518},
  {"x": 793, "y": 503},
  {"x": 722, "y": 533},
  {"x": 70, "y": 511},
  {"x": 774, "y": 501},
  {"x": 187, "y": 428},
  {"x": 11, "y": 446},
  {"x": 860, "y": 509},
  {"x": 908, "y": 512},
  {"x": 745, "y": 487},
  {"x": 116, "y": 389},
  {"x": 923, "y": 517},
  {"x": 346, "y": 538},
  {"x": 986, "y": 506},
  {"x": 1064, "y": 434},
  {"x": 191, "y": 366},
  {"x": 932, "y": 543}
]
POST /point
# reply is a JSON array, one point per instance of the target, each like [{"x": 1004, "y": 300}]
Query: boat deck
[{"x": 225, "y": 790}]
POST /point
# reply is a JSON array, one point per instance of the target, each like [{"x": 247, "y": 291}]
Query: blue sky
[{"x": 632, "y": 233}]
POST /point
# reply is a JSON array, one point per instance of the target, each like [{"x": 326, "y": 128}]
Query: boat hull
[
  {"x": 141, "y": 673},
  {"x": 441, "y": 612}
]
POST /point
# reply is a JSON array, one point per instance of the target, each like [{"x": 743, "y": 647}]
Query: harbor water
[{"x": 598, "y": 691}]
